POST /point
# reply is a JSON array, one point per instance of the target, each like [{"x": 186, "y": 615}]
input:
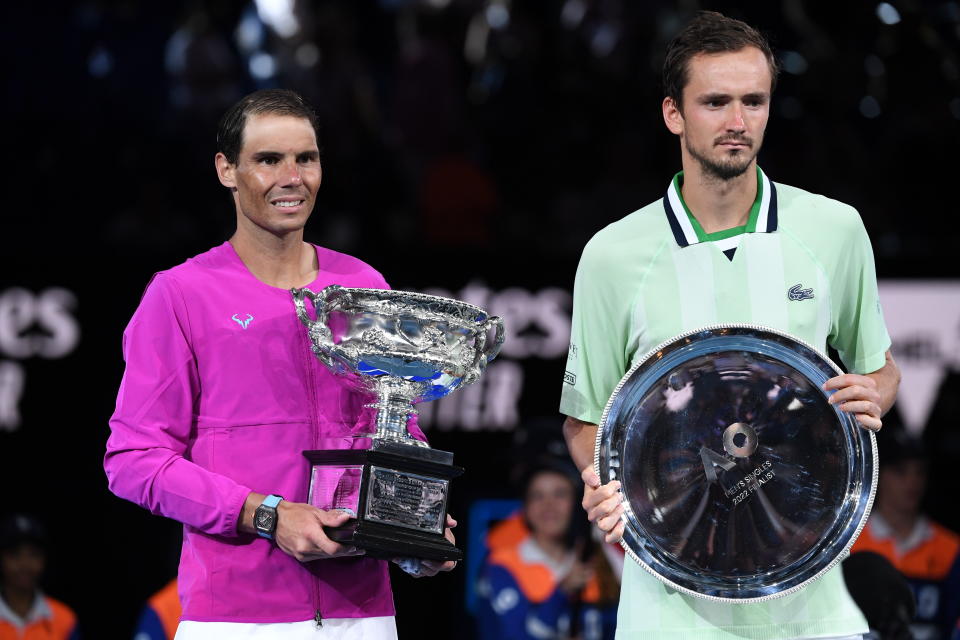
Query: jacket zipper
[{"x": 315, "y": 426}]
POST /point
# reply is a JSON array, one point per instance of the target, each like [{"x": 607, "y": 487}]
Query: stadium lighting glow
[
  {"x": 603, "y": 41},
  {"x": 572, "y": 13},
  {"x": 887, "y": 13},
  {"x": 794, "y": 63},
  {"x": 278, "y": 14},
  {"x": 498, "y": 16},
  {"x": 869, "y": 107},
  {"x": 262, "y": 66},
  {"x": 307, "y": 55},
  {"x": 100, "y": 63},
  {"x": 249, "y": 33}
]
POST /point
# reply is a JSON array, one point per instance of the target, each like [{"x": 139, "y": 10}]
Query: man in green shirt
[{"x": 724, "y": 245}]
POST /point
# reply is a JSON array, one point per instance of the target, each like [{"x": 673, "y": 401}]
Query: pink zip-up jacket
[{"x": 220, "y": 397}]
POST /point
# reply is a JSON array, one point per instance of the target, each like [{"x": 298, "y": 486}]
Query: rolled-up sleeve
[{"x": 152, "y": 428}]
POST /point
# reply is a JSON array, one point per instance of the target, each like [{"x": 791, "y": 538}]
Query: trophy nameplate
[{"x": 740, "y": 481}]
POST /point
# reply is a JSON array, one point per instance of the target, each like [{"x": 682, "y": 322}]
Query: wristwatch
[{"x": 265, "y": 517}]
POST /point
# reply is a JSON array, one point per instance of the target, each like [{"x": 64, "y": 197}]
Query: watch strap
[{"x": 271, "y": 501}]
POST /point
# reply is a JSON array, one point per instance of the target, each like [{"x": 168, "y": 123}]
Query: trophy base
[
  {"x": 386, "y": 542},
  {"x": 398, "y": 493}
]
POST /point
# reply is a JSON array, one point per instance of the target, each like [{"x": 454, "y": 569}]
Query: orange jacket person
[
  {"x": 160, "y": 616},
  {"x": 926, "y": 553},
  {"x": 25, "y": 612}
]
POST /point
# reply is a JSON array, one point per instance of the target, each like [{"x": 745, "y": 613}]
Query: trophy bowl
[
  {"x": 740, "y": 481},
  {"x": 404, "y": 348}
]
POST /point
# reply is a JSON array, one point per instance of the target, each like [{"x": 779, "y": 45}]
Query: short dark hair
[
  {"x": 281, "y": 102},
  {"x": 710, "y": 32},
  {"x": 19, "y": 528},
  {"x": 895, "y": 445}
]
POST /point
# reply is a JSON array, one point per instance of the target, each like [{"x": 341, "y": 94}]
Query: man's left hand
[
  {"x": 858, "y": 395},
  {"x": 433, "y": 567}
]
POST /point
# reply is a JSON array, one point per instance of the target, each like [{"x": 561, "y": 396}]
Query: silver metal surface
[
  {"x": 402, "y": 346},
  {"x": 741, "y": 482},
  {"x": 406, "y": 500}
]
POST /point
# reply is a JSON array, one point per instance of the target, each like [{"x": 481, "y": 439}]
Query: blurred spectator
[
  {"x": 204, "y": 70},
  {"x": 25, "y": 612},
  {"x": 882, "y": 594},
  {"x": 160, "y": 616},
  {"x": 545, "y": 578},
  {"x": 926, "y": 553}
]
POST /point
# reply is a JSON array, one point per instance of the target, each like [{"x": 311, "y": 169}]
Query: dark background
[{"x": 465, "y": 142}]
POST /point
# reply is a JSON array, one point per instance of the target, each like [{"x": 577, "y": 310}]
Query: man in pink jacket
[{"x": 221, "y": 394}]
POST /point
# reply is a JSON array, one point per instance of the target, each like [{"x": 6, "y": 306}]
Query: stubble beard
[{"x": 732, "y": 166}]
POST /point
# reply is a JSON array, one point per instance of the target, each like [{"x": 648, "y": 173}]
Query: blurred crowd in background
[{"x": 538, "y": 122}]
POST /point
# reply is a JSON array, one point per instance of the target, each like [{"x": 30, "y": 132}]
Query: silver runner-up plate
[{"x": 740, "y": 481}]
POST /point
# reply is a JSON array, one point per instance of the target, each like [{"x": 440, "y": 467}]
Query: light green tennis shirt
[{"x": 802, "y": 264}]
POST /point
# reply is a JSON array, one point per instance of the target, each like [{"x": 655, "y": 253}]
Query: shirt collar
[
  {"x": 39, "y": 611},
  {"x": 686, "y": 229},
  {"x": 922, "y": 531},
  {"x": 531, "y": 553}
]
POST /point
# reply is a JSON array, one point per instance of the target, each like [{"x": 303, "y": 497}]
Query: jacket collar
[
  {"x": 39, "y": 611},
  {"x": 686, "y": 229}
]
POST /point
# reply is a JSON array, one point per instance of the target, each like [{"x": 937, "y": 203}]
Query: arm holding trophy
[
  {"x": 602, "y": 502},
  {"x": 868, "y": 396},
  {"x": 298, "y": 528}
]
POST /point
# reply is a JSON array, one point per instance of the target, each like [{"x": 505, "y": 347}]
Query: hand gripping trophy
[{"x": 404, "y": 348}]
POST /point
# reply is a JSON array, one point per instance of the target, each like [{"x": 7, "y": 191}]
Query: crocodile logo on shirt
[
  {"x": 243, "y": 323},
  {"x": 797, "y": 292}
]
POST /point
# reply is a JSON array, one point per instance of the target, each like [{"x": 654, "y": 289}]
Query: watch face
[{"x": 265, "y": 520}]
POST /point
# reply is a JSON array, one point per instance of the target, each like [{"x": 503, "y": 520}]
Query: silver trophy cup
[{"x": 403, "y": 348}]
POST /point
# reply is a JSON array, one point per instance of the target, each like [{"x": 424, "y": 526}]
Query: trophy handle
[
  {"x": 490, "y": 351},
  {"x": 321, "y": 339},
  {"x": 328, "y": 299},
  {"x": 330, "y": 296},
  {"x": 298, "y": 296}
]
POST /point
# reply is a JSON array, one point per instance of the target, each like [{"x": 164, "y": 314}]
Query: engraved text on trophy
[{"x": 406, "y": 499}]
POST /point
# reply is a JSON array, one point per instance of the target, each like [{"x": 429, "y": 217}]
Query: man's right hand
[
  {"x": 300, "y": 532},
  {"x": 603, "y": 504}
]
